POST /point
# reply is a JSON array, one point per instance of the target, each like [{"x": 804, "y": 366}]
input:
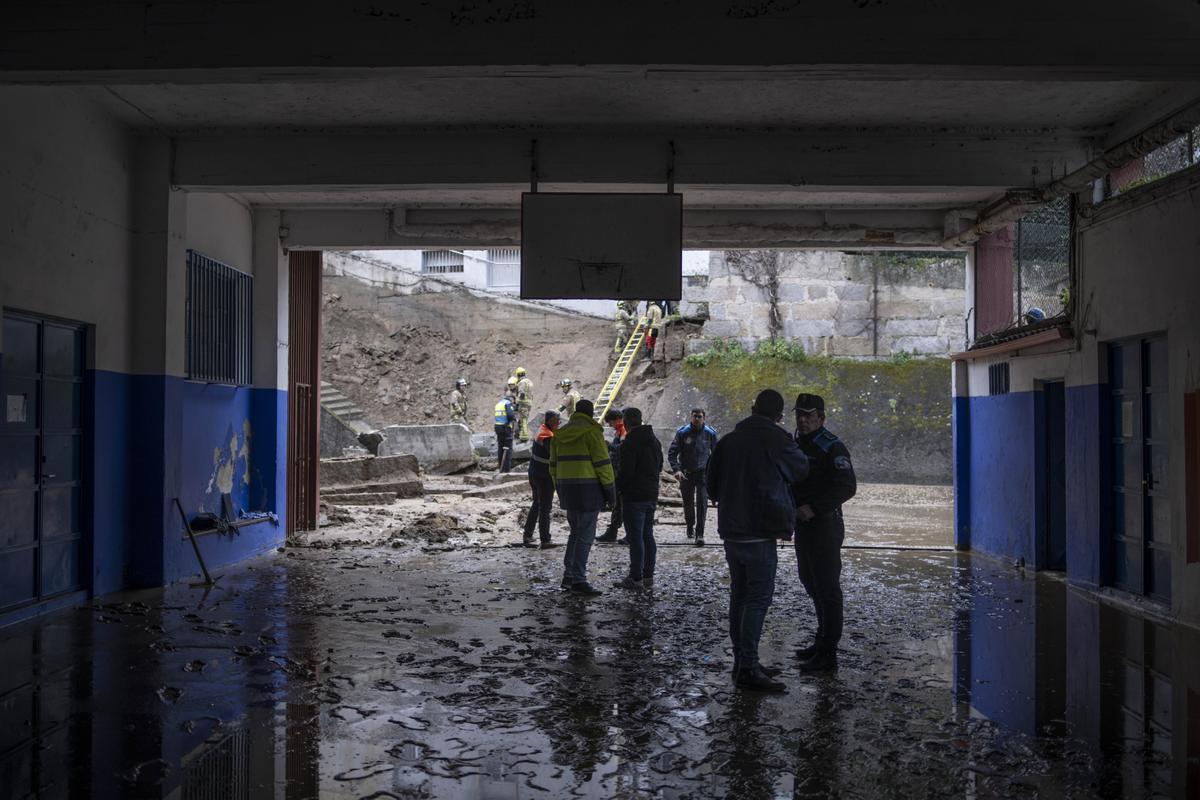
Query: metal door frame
[
  {"x": 1135, "y": 583},
  {"x": 84, "y": 557},
  {"x": 304, "y": 370}
]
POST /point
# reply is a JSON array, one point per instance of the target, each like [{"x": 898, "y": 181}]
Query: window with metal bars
[
  {"x": 219, "y": 324},
  {"x": 439, "y": 262},
  {"x": 504, "y": 267},
  {"x": 998, "y": 378}
]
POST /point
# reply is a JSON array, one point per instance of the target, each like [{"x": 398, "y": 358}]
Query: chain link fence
[
  {"x": 1042, "y": 263},
  {"x": 1175, "y": 155}
]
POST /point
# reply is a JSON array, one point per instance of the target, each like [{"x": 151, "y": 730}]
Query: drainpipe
[{"x": 1017, "y": 202}]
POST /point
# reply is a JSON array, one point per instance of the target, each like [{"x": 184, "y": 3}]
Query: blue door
[{"x": 41, "y": 480}]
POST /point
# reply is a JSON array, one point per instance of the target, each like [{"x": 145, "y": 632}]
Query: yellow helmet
[
  {"x": 512, "y": 381},
  {"x": 520, "y": 372}
]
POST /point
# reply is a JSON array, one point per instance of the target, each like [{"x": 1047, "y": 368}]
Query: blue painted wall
[
  {"x": 157, "y": 438},
  {"x": 961, "y": 435},
  {"x": 1001, "y": 485}
]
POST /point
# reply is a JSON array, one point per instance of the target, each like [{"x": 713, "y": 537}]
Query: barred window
[
  {"x": 1177, "y": 154},
  {"x": 998, "y": 378},
  {"x": 438, "y": 262},
  {"x": 219, "y": 300},
  {"x": 504, "y": 267}
]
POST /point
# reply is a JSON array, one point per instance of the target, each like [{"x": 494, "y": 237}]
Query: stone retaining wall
[{"x": 828, "y": 303}]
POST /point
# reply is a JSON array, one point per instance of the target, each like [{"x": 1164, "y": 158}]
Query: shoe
[
  {"x": 821, "y": 661},
  {"x": 629, "y": 583},
  {"x": 528, "y": 542},
  {"x": 805, "y": 653},
  {"x": 607, "y": 537},
  {"x": 566, "y": 584},
  {"x": 647, "y": 581},
  {"x": 699, "y": 541},
  {"x": 691, "y": 535},
  {"x": 585, "y": 589},
  {"x": 547, "y": 544},
  {"x": 623, "y": 540},
  {"x": 770, "y": 672},
  {"x": 756, "y": 680}
]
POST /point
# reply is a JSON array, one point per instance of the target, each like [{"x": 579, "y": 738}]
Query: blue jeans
[
  {"x": 579, "y": 544},
  {"x": 751, "y": 588},
  {"x": 639, "y": 532}
]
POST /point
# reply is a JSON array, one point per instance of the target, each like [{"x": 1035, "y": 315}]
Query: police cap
[{"x": 809, "y": 403}]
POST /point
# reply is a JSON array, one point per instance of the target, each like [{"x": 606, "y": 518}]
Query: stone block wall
[{"x": 829, "y": 303}]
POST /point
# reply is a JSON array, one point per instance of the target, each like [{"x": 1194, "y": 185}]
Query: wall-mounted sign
[{"x": 17, "y": 408}]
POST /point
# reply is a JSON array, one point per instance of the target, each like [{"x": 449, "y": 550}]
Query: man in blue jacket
[
  {"x": 750, "y": 476},
  {"x": 688, "y": 455}
]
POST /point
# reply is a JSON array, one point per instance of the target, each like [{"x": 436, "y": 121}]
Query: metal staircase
[{"x": 620, "y": 370}]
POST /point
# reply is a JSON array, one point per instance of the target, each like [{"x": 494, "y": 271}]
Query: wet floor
[{"x": 372, "y": 672}]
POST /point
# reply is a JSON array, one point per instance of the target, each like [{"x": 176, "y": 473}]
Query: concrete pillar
[
  {"x": 157, "y": 307},
  {"x": 961, "y": 440},
  {"x": 270, "y": 353}
]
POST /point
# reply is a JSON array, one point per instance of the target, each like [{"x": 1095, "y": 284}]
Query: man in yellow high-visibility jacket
[{"x": 583, "y": 478}]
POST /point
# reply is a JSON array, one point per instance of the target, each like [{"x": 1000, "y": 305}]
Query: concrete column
[
  {"x": 157, "y": 308},
  {"x": 969, "y": 296},
  {"x": 270, "y": 353},
  {"x": 961, "y": 439}
]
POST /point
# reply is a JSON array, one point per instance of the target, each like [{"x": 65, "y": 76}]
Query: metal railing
[{"x": 219, "y": 321}]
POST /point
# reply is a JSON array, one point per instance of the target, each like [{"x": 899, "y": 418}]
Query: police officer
[
  {"x": 688, "y": 456},
  {"x": 505, "y": 420},
  {"x": 819, "y": 528}
]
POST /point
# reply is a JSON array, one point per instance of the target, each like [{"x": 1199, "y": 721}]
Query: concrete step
[
  {"x": 360, "y": 498},
  {"x": 499, "y": 490},
  {"x": 407, "y": 488}
]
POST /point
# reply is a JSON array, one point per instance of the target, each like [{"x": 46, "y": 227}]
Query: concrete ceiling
[{"x": 790, "y": 120}]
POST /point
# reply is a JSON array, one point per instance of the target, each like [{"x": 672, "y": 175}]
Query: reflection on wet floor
[{"x": 367, "y": 673}]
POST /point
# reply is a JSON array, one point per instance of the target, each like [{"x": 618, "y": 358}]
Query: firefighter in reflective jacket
[
  {"x": 505, "y": 421},
  {"x": 524, "y": 403}
]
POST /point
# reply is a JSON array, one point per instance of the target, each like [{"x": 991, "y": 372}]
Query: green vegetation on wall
[{"x": 894, "y": 414}]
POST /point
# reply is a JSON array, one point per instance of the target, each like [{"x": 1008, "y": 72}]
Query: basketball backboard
[{"x": 603, "y": 245}]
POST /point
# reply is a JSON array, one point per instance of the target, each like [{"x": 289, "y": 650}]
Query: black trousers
[
  {"x": 539, "y": 509},
  {"x": 614, "y": 523},
  {"x": 695, "y": 501},
  {"x": 504, "y": 447},
  {"x": 819, "y": 562}
]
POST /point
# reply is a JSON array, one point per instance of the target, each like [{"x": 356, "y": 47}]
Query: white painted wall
[
  {"x": 221, "y": 228},
  {"x": 66, "y": 202},
  {"x": 475, "y": 275}
]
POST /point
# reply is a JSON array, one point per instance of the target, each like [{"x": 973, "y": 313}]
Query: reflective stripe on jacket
[{"x": 580, "y": 464}]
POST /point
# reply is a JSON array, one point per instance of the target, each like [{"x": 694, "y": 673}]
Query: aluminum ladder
[{"x": 620, "y": 370}]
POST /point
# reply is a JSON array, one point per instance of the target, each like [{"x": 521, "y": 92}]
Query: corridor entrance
[{"x": 41, "y": 442}]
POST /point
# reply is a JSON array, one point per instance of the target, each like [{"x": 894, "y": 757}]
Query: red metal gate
[{"x": 304, "y": 381}]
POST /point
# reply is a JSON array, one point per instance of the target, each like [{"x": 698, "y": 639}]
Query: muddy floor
[
  {"x": 381, "y": 672},
  {"x": 448, "y": 516}
]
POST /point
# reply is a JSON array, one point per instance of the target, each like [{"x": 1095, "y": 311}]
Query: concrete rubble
[{"x": 370, "y": 480}]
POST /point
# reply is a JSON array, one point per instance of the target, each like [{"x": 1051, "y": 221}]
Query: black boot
[
  {"x": 824, "y": 660},
  {"x": 755, "y": 680},
  {"x": 805, "y": 653},
  {"x": 607, "y": 536},
  {"x": 771, "y": 672}
]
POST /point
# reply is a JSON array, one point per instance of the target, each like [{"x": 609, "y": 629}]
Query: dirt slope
[{"x": 397, "y": 355}]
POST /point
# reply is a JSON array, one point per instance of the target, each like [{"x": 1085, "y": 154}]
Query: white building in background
[{"x": 499, "y": 270}]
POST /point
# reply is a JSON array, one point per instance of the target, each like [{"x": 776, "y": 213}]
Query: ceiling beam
[
  {"x": 872, "y": 158},
  {"x": 382, "y": 229}
]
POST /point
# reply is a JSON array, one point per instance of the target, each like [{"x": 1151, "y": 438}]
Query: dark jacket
[
  {"x": 691, "y": 449},
  {"x": 831, "y": 480},
  {"x": 614, "y": 446},
  {"x": 641, "y": 464},
  {"x": 539, "y": 454},
  {"x": 750, "y": 475}
]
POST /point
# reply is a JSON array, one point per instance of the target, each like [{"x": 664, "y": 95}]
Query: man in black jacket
[
  {"x": 615, "y": 419},
  {"x": 819, "y": 528},
  {"x": 689, "y": 453},
  {"x": 637, "y": 486},
  {"x": 750, "y": 476},
  {"x": 540, "y": 484}
]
